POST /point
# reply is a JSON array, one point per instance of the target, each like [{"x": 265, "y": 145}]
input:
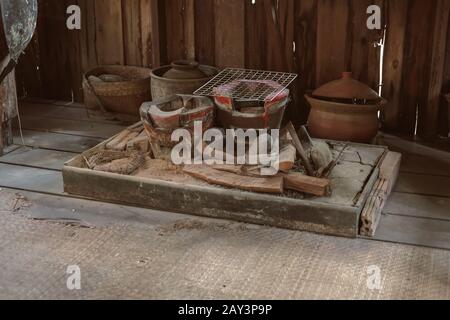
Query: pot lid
[
  {"x": 346, "y": 88},
  {"x": 184, "y": 70}
]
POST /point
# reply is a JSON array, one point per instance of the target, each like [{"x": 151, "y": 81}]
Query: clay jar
[
  {"x": 345, "y": 110},
  {"x": 181, "y": 77},
  {"x": 184, "y": 69}
]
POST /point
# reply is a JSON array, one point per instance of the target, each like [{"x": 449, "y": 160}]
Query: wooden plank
[
  {"x": 229, "y": 36},
  {"x": 57, "y": 61},
  {"x": 205, "y": 31},
  {"x": 231, "y": 180},
  {"x": 362, "y": 56},
  {"x": 81, "y": 211},
  {"x": 180, "y": 29},
  {"x": 87, "y": 38},
  {"x": 305, "y": 52},
  {"x": 332, "y": 22},
  {"x": 415, "y": 63},
  {"x": 74, "y": 127},
  {"x": 56, "y": 141},
  {"x": 414, "y": 231},
  {"x": 8, "y": 108},
  {"x": 132, "y": 37},
  {"x": 151, "y": 51},
  {"x": 414, "y": 205},
  {"x": 37, "y": 158},
  {"x": 62, "y": 112},
  {"x": 32, "y": 179},
  {"x": 396, "y": 17},
  {"x": 423, "y": 184},
  {"x": 429, "y": 110},
  {"x": 270, "y": 35},
  {"x": 425, "y": 165},
  {"x": 371, "y": 213},
  {"x": 109, "y": 32}
]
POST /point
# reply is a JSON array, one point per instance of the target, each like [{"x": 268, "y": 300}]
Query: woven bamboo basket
[{"x": 122, "y": 97}]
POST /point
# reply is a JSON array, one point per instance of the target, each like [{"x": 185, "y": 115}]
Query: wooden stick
[{"x": 300, "y": 149}]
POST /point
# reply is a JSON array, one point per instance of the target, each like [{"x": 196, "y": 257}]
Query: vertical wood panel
[
  {"x": 180, "y": 29},
  {"x": 332, "y": 24},
  {"x": 305, "y": 53},
  {"x": 55, "y": 55},
  {"x": 205, "y": 31},
  {"x": 151, "y": 50},
  {"x": 229, "y": 43},
  {"x": 109, "y": 32},
  {"x": 362, "y": 55},
  {"x": 416, "y": 61},
  {"x": 396, "y": 18},
  {"x": 429, "y": 111},
  {"x": 132, "y": 36}
]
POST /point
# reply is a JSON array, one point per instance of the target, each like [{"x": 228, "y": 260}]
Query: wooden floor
[{"x": 418, "y": 212}]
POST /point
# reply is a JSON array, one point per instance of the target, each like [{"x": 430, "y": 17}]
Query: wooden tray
[{"x": 337, "y": 215}]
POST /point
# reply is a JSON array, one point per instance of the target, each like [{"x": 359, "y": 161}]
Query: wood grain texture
[
  {"x": 57, "y": 141},
  {"x": 109, "y": 32},
  {"x": 429, "y": 111},
  {"x": 419, "y": 38},
  {"x": 396, "y": 18},
  {"x": 229, "y": 43},
  {"x": 414, "y": 231},
  {"x": 332, "y": 37},
  {"x": 180, "y": 29},
  {"x": 37, "y": 158},
  {"x": 205, "y": 31},
  {"x": 305, "y": 31}
]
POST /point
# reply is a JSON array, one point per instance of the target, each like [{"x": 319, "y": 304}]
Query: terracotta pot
[{"x": 343, "y": 121}]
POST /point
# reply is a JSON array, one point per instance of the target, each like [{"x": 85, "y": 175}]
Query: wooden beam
[{"x": 8, "y": 108}]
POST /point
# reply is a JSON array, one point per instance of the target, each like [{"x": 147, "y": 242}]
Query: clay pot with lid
[
  {"x": 345, "y": 110},
  {"x": 181, "y": 77}
]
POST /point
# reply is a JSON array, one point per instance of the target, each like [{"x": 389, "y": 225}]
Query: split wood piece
[
  {"x": 245, "y": 170},
  {"x": 301, "y": 151},
  {"x": 120, "y": 142},
  {"x": 288, "y": 155},
  {"x": 371, "y": 214},
  {"x": 140, "y": 143},
  {"x": 231, "y": 180},
  {"x": 124, "y": 166},
  {"x": 305, "y": 184},
  {"x": 305, "y": 139}
]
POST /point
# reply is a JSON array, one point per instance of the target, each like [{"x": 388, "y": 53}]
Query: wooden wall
[{"x": 316, "y": 38}]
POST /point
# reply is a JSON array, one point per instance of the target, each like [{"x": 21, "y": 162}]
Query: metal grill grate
[{"x": 247, "y": 85}]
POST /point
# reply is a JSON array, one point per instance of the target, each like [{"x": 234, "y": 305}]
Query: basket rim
[{"x": 89, "y": 73}]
